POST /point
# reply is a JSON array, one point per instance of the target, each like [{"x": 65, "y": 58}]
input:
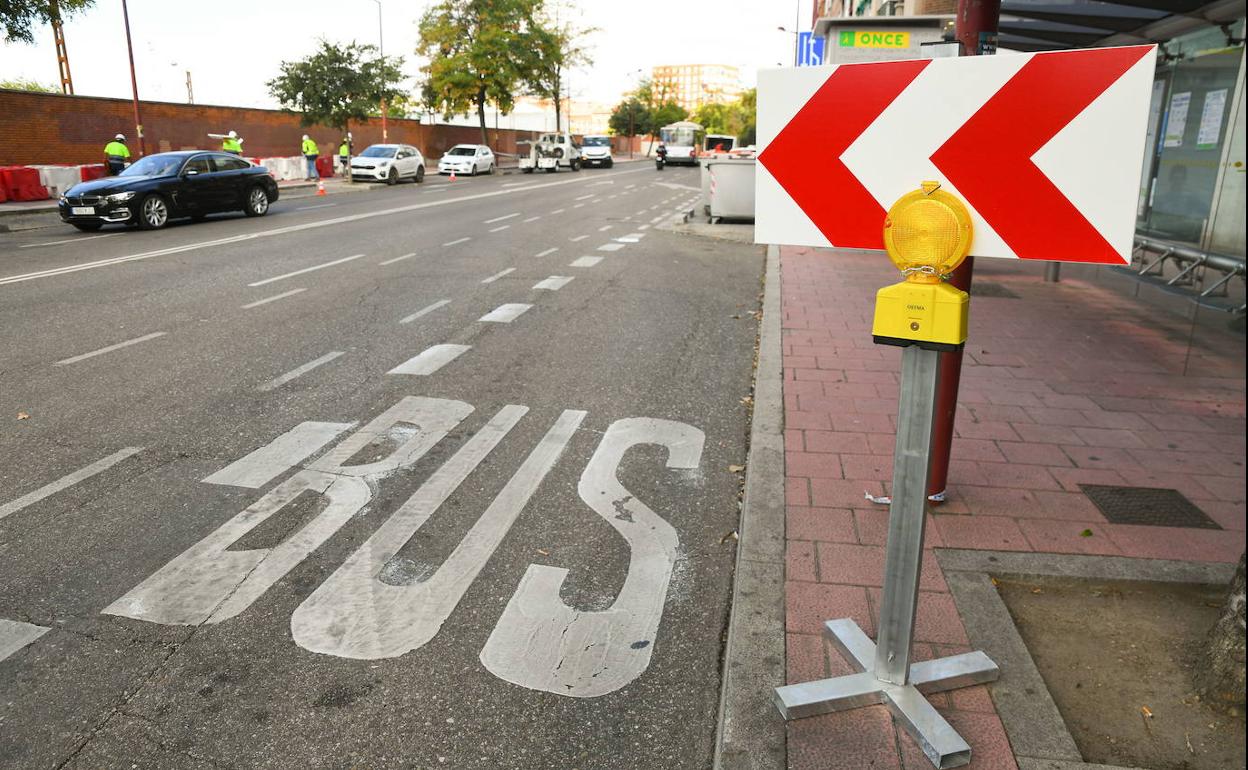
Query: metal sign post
[{"x": 927, "y": 233}]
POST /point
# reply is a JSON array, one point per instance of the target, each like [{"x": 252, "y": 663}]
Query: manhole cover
[
  {"x": 1144, "y": 505},
  {"x": 989, "y": 289}
]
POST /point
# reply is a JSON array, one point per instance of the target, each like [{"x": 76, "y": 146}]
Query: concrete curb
[{"x": 751, "y": 733}]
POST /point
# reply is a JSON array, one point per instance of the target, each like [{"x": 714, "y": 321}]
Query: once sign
[{"x": 1045, "y": 149}]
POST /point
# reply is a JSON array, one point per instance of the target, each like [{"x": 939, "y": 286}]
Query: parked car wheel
[
  {"x": 420, "y": 174},
  {"x": 153, "y": 212},
  {"x": 88, "y": 227},
  {"x": 257, "y": 202},
  {"x": 393, "y": 176}
]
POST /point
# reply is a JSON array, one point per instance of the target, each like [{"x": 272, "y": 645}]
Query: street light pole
[
  {"x": 381, "y": 49},
  {"x": 134, "y": 83}
]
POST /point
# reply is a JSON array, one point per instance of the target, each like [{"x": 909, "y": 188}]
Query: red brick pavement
[{"x": 1071, "y": 383}]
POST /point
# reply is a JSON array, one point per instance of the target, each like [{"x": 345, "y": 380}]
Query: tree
[
  {"x": 19, "y": 17},
  {"x": 1220, "y": 677},
  {"x": 25, "y": 84},
  {"x": 558, "y": 46},
  {"x": 734, "y": 118},
  {"x": 338, "y": 84},
  {"x": 644, "y": 111},
  {"x": 479, "y": 52}
]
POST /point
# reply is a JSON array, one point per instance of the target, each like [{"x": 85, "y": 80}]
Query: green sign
[{"x": 849, "y": 38}]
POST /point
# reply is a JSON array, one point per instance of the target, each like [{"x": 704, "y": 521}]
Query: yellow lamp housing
[{"x": 927, "y": 234}]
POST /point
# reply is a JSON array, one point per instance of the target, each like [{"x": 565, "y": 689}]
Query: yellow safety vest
[
  {"x": 310, "y": 148},
  {"x": 116, "y": 149},
  {"x": 231, "y": 145},
  {"x": 343, "y": 150}
]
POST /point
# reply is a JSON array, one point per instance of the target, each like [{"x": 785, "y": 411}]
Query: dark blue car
[{"x": 169, "y": 185}]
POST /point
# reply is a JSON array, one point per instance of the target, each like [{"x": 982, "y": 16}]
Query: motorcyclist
[{"x": 660, "y": 155}]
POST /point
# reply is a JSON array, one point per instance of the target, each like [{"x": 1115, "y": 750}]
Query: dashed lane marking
[
  {"x": 425, "y": 311},
  {"x": 498, "y": 275},
  {"x": 604, "y": 228},
  {"x": 502, "y": 218},
  {"x": 585, "y": 262},
  {"x": 65, "y": 482},
  {"x": 431, "y": 360},
  {"x": 14, "y": 635},
  {"x": 553, "y": 283},
  {"x": 274, "y": 384},
  {"x": 274, "y": 298},
  {"x": 305, "y": 270},
  {"x": 611, "y": 247},
  {"x": 396, "y": 259},
  {"x": 317, "y": 206},
  {"x": 578, "y": 238},
  {"x": 500, "y": 228},
  {"x": 547, "y": 252},
  {"x": 456, "y": 242},
  {"x": 109, "y": 349},
  {"x": 505, "y": 314},
  {"x": 68, "y": 240},
  {"x": 531, "y": 219}
]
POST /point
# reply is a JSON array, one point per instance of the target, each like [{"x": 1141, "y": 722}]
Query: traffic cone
[
  {"x": 320, "y": 187},
  {"x": 452, "y": 175}
]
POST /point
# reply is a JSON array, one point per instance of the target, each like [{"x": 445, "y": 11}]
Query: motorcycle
[{"x": 660, "y": 158}]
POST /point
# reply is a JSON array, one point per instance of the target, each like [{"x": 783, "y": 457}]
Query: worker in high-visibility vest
[
  {"x": 116, "y": 154},
  {"x": 344, "y": 154},
  {"x": 232, "y": 143},
  {"x": 310, "y": 152}
]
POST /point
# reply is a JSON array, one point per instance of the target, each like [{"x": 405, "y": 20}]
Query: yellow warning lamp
[{"x": 927, "y": 234}]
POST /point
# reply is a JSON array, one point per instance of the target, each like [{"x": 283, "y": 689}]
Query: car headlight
[
  {"x": 121, "y": 197},
  {"x": 63, "y": 199}
]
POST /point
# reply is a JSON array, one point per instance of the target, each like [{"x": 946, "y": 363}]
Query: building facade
[{"x": 693, "y": 85}]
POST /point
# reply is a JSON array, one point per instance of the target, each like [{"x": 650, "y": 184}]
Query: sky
[{"x": 232, "y": 49}]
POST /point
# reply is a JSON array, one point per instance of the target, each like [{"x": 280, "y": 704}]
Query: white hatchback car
[
  {"x": 470, "y": 159},
  {"x": 388, "y": 163}
]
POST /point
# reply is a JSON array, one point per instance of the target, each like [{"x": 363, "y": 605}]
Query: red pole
[
  {"x": 134, "y": 83},
  {"x": 976, "y": 29}
]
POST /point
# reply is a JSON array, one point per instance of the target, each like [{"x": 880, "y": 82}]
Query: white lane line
[
  {"x": 611, "y": 247},
  {"x": 67, "y": 481},
  {"x": 284, "y": 230},
  {"x": 596, "y": 200},
  {"x": 578, "y": 205},
  {"x": 578, "y": 238},
  {"x": 514, "y": 184},
  {"x": 281, "y": 454},
  {"x": 641, "y": 213},
  {"x": 456, "y": 242},
  {"x": 444, "y": 189},
  {"x": 643, "y": 227},
  {"x": 557, "y": 211},
  {"x": 553, "y": 283},
  {"x": 657, "y": 219},
  {"x": 305, "y": 270},
  {"x": 500, "y": 228},
  {"x": 68, "y": 240},
  {"x": 110, "y": 348},
  {"x": 502, "y": 218},
  {"x": 498, "y": 275},
  {"x": 505, "y": 314},
  {"x": 396, "y": 259},
  {"x": 585, "y": 262},
  {"x": 298, "y": 372},
  {"x": 584, "y": 197},
  {"x": 531, "y": 219},
  {"x": 318, "y": 206},
  {"x": 547, "y": 252},
  {"x": 14, "y": 635},
  {"x": 638, "y": 236},
  {"x": 605, "y": 228},
  {"x": 274, "y": 298},
  {"x": 425, "y": 311},
  {"x": 430, "y": 360},
  {"x": 630, "y": 186}
]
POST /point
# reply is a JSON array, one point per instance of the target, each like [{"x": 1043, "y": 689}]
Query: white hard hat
[
  {"x": 305, "y": 137},
  {"x": 121, "y": 137},
  {"x": 233, "y": 135}
]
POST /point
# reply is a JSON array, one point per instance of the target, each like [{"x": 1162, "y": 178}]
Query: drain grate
[
  {"x": 989, "y": 289},
  {"x": 1144, "y": 505}
]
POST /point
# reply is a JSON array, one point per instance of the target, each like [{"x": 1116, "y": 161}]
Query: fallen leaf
[
  {"x": 23, "y": 416},
  {"x": 735, "y": 468},
  {"x": 1187, "y": 738},
  {"x": 1146, "y": 711},
  {"x": 543, "y": 552},
  {"x": 1037, "y": 590},
  {"x": 730, "y": 536},
  {"x": 1086, "y": 533},
  {"x": 994, "y": 581}
]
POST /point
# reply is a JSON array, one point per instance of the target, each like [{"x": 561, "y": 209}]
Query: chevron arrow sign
[{"x": 1046, "y": 149}]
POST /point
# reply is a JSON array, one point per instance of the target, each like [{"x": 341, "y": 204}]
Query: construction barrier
[
  {"x": 92, "y": 171},
  {"x": 58, "y": 179},
  {"x": 325, "y": 166},
  {"x": 21, "y": 183}
]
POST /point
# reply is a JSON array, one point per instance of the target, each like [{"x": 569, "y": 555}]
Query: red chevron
[
  {"x": 805, "y": 157},
  {"x": 989, "y": 158}
]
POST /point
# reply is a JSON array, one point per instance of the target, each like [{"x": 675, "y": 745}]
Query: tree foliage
[
  {"x": 558, "y": 45},
  {"x": 20, "y": 17},
  {"x": 338, "y": 84},
  {"x": 479, "y": 52},
  {"x": 645, "y": 110},
  {"x": 733, "y": 118},
  {"x": 26, "y": 84}
]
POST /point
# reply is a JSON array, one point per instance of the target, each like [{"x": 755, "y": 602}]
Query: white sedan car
[
  {"x": 470, "y": 159},
  {"x": 388, "y": 163}
]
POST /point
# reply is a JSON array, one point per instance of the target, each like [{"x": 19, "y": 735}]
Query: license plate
[{"x": 82, "y": 211}]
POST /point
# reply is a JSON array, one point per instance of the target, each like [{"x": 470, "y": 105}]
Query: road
[{"x": 428, "y": 476}]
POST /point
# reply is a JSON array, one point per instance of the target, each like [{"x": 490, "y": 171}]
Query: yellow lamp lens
[{"x": 928, "y": 228}]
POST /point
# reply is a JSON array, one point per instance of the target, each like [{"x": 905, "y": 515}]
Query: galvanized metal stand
[{"x": 887, "y": 676}]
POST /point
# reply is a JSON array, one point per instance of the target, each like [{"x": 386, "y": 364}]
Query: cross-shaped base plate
[{"x": 939, "y": 741}]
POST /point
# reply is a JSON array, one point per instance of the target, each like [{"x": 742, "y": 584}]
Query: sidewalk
[{"x": 1063, "y": 384}]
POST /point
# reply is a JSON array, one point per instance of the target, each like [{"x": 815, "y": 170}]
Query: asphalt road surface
[{"x": 428, "y": 476}]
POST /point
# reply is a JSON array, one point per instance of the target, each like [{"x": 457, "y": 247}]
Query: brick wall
[{"x": 52, "y": 128}]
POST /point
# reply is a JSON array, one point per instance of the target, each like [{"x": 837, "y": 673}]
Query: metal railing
[{"x": 1192, "y": 263}]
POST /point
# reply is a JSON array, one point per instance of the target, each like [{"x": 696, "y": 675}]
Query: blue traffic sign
[{"x": 809, "y": 49}]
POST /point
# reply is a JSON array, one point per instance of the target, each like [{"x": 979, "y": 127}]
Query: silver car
[{"x": 388, "y": 163}]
